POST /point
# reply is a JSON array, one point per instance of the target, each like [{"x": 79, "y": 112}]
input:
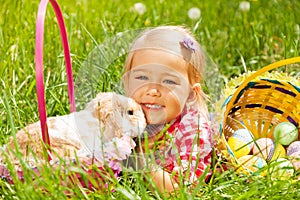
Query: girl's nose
[{"x": 153, "y": 92}]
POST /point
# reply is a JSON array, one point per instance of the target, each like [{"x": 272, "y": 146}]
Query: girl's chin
[
  {"x": 155, "y": 120},
  {"x": 155, "y": 117}
]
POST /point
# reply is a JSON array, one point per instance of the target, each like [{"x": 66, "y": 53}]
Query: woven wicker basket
[{"x": 258, "y": 104}]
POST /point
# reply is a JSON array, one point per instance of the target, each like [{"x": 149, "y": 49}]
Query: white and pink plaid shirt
[{"x": 190, "y": 146}]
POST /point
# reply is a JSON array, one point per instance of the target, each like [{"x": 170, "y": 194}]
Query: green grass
[{"x": 269, "y": 32}]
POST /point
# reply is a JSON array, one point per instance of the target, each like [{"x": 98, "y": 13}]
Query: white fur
[{"x": 104, "y": 129}]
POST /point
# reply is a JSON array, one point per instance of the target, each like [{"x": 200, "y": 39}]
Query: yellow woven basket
[{"x": 258, "y": 104}]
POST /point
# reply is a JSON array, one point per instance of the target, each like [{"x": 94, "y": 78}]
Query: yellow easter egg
[
  {"x": 241, "y": 142},
  {"x": 279, "y": 152}
]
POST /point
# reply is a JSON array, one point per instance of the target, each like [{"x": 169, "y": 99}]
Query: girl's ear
[
  {"x": 197, "y": 88},
  {"x": 194, "y": 93}
]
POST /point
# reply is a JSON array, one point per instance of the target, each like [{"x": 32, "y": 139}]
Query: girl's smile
[{"x": 151, "y": 106}]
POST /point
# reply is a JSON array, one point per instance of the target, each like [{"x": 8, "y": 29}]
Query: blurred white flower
[
  {"x": 244, "y": 6},
  {"x": 140, "y": 8},
  {"x": 194, "y": 13},
  {"x": 14, "y": 52}
]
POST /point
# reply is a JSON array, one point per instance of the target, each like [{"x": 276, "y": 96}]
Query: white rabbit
[{"x": 104, "y": 130}]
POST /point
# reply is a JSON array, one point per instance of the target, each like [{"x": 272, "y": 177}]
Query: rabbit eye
[{"x": 130, "y": 112}]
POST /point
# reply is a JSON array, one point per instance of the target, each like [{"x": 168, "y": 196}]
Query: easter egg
[
  {"x": 293, "y": 147},
  {"x": 267, "y": 149},
  {"x": 285, "y": 133},
  {"x": 251, "y": 162},
  {"x": 264, "y": 148},
  {"x": 279, "y": 152},
  {"x": 281, "y": 169},
  {"x": 241, "y": 142},
  {"x": 295, "y": 159}
]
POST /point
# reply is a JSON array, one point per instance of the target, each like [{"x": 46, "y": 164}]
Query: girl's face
[{"x": 158, "y": 81}]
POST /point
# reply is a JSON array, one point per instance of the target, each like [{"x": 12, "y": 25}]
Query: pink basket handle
[{"x": 39, "y": 66}]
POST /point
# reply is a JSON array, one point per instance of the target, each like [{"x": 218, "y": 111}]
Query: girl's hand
[
  {"x": 155, "y": 142},
  {"x": 163, "y": 181}
]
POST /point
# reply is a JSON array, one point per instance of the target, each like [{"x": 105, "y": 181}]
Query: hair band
[{"x": 188, "y": 44}]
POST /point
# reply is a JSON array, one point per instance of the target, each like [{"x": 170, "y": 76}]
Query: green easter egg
[{"x": 285, "y": 133}]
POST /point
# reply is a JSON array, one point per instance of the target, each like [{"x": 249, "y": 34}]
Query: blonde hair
[{"x": 170, "y": 39}]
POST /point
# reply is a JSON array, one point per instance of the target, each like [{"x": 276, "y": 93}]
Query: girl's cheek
[{"x": 137, "y": 91}]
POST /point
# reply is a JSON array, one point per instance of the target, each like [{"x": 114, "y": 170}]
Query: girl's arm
[
  {"x": 193, "y": 141},
  {"x": 161, "y": 178}
]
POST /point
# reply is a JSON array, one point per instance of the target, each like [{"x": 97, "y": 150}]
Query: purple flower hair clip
[{"x": 188, "y": 44}]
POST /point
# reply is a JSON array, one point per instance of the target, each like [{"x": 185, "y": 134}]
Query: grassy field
[{"x": 268, "y": 32}]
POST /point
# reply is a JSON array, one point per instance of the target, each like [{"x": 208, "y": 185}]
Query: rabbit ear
[
  {"x": 105, "y": 107},
  {"x": 101, "y": 105}
]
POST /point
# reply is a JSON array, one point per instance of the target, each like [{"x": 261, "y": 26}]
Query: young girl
[{"x": 163, "y": 72}]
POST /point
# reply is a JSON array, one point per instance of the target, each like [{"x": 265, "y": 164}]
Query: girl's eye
[
  {"x": 141, "y": 77},
  {"x": 170, "y": 82}
]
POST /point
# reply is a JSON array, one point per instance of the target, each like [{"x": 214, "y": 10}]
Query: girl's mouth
[{"x": 149, "y": 106}]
